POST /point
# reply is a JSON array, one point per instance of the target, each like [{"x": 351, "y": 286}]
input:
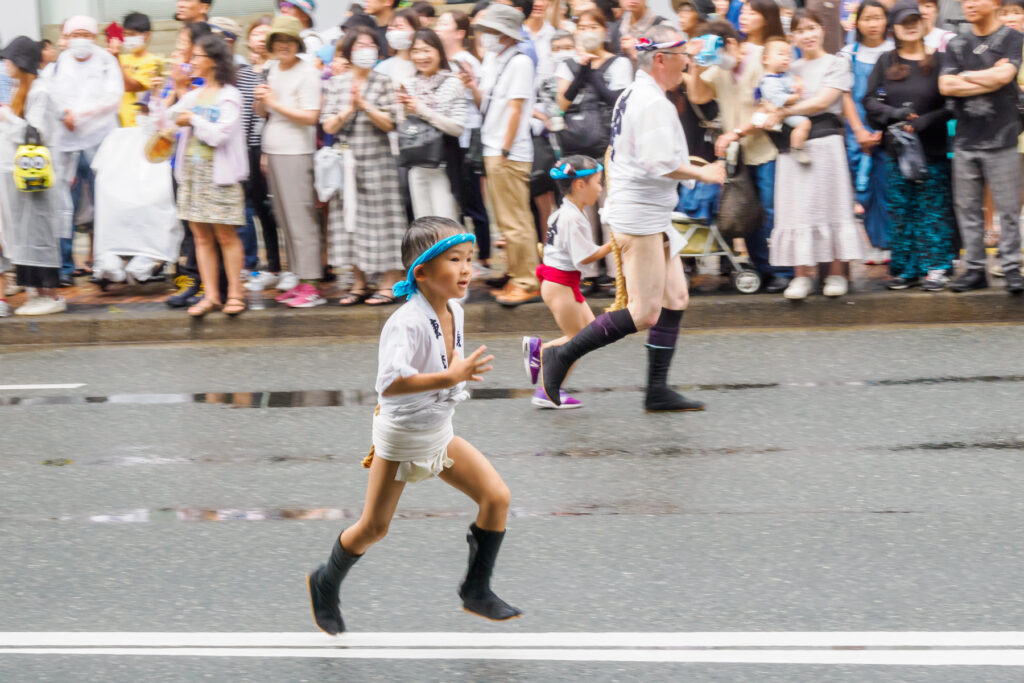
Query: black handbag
[
  {"x": 475, "y": 152},
  {"x": 420, "y": 145},
  {"x": 587, "y": 124},
  {"x": 543, "y": 161},
  {"x": 739, "y": 208}
]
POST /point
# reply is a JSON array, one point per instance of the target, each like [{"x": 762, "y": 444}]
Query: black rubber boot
[
  {"x": 475, "y": 591},
  {"x": 555, "y": 361},
  {"x": 660, "y": 398},
  {"x": 324, "y": 583}
]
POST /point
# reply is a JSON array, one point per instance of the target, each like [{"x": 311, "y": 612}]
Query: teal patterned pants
[{"x": 921, "y": 215}]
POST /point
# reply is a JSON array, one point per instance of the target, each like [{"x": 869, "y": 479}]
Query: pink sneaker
[
  {"x": 540, "y": 399},
  {"x": 289, "y": 295},
  {"x": 306, "y": 296}
]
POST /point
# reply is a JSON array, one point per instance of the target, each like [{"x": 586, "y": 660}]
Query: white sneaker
[
  {"x": 5, "y": 308},
  {"x": 799, "y": 288},
  {"x": 43, "y": 305},
  {"x": 10, "y": 286},
  {"x": 287, "y": 280},
  {"x": 264, "y": 279},
  {"x": 996, "y": 270},
  {"x": 835, "y": 285}
]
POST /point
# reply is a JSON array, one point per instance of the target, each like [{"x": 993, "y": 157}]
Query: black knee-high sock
[
  {"x": 606, "y": 328},
  {"x": 665, "y": 332},
  {"x": 556, "y": 360}
]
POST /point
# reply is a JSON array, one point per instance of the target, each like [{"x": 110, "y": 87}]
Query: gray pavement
[{"x": 854, "y": 480}]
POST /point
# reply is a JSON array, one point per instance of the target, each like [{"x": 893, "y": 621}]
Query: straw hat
[{"x": 285, "y": 26}]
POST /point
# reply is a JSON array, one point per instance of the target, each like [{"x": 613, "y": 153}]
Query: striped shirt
[{"x": 246, "y": 80}]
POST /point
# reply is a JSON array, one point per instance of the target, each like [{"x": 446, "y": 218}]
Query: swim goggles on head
[
  {"x": 645, "y": 45},
  {"x": 407, "y": 287},
  {"x": 565, "y": 171}
]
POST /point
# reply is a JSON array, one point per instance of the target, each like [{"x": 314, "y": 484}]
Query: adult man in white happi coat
[{"x": 649, "y": 157}]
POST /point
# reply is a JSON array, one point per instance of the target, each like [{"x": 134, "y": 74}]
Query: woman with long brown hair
[
  {"x": 33, "y": 221},
  {"x": 904, "y": 89}
]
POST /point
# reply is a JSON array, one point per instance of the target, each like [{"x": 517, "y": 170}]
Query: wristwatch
[{"x": 505, "y": 153}]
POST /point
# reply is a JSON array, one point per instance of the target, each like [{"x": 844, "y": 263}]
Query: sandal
[
  {"x": 202, "y": 307},
  {"x": 380, "y": 299},
  {"x": 352, "y": 298},
  {"x": 233, "y": 307}
]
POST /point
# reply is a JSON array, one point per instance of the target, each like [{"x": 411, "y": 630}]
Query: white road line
[
  {"x": 22, "y": 387},
  {"x": 828, "y": 657},
  {"x": 455, "y": 639}
]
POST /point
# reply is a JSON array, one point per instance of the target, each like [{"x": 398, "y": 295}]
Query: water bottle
[{"x": 254, "y": 293}]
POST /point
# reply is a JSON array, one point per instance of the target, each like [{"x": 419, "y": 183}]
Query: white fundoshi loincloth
[{"x": 422, "y": 452}]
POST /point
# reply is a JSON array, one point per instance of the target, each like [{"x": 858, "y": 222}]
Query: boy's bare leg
[
  {"x": 382, "y": 494},
  {"x": 474, "y": 475}
]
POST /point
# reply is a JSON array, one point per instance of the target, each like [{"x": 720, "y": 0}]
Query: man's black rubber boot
[
  {"x": 660, "y": 398},
  {"x": 475, "y": 591},
  {"x": 555, "y": 361},
  {"x": 324, "y": 583}
]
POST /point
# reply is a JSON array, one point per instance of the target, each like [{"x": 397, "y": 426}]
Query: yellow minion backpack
[{"x": 33, "y": 168}]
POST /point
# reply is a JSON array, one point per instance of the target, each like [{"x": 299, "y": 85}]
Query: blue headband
[
  {"x": 407, "y": 287},
  {"x": 567, "y": 172}
]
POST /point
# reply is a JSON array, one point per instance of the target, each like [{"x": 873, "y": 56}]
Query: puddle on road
[
  {"x": 628, "y": 507},
  {"x": 998, "y": 445},
  {"x": 156, "y": 459},
  {"x": 332, "y": 398}
]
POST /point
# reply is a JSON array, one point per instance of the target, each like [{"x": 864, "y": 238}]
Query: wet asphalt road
[{"x": 858, "y": 480}]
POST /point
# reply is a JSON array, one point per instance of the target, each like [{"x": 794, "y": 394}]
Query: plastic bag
[
  {"x": 910, "y": 153},
  {"x": 328, "y": 172}
]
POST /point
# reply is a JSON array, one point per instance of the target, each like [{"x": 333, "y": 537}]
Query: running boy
[
  {"x": 421, "y": 376},
  {"x": 779, "y": 88},
  {"x": 568, "y": 250}
]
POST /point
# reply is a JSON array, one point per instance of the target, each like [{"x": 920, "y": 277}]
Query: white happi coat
[
  {"x": 415, "y": 429},
  {"x": 647, "y": 142}
]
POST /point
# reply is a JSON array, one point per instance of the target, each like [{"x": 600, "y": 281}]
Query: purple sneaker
[
  {"x": 540, "y": 400},
  {"x": 531, "y": 357}
]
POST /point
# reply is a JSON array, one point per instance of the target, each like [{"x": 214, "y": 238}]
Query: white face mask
[
  {"x": 727, "y": 62},
  {"x": 785, "y": 24},
  {"x": 80, "y": 47},
  {"x": 364, "y": 57},
  {"x": 561, "y": 56},
  {"x": 400, "y": 40},
  {"x": 133, "y": 43},
  {"x": 591, "y": 41},
  {"x": 490, "y": 42}
]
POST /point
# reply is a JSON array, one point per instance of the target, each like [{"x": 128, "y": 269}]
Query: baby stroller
[{"x": 695, "y": 219}]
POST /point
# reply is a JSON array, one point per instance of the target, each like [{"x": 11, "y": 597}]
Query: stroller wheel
[{"x": 747, "y": 281}]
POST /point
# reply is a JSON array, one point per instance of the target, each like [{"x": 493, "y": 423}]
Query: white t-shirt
[
  {"x": 516, "y": 83},
  {"x": 542, "y": 45},
  {"x": 647, "y": 142},
  {"x": 938, "y": 38},
  {"x": 412, "y": 343},
  {"x": 868, "y": 55},
  {"x": 473, "y": 117},
  {"x": 298, "y": 88},
  {"x": 92, "y": 90},
  {"x": 569, "y": 240},
  {"x": 617, "y": 76}
]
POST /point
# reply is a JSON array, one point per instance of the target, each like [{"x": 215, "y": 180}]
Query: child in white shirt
[
  {"x": 422, "y": 375},
  {"x": 569, "y": 251}
]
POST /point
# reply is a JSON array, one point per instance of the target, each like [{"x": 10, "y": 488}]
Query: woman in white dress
[{"x": 814, "y": 220}]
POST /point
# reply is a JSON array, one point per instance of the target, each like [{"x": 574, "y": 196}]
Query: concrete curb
[{"x": 705, "y": 312}]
